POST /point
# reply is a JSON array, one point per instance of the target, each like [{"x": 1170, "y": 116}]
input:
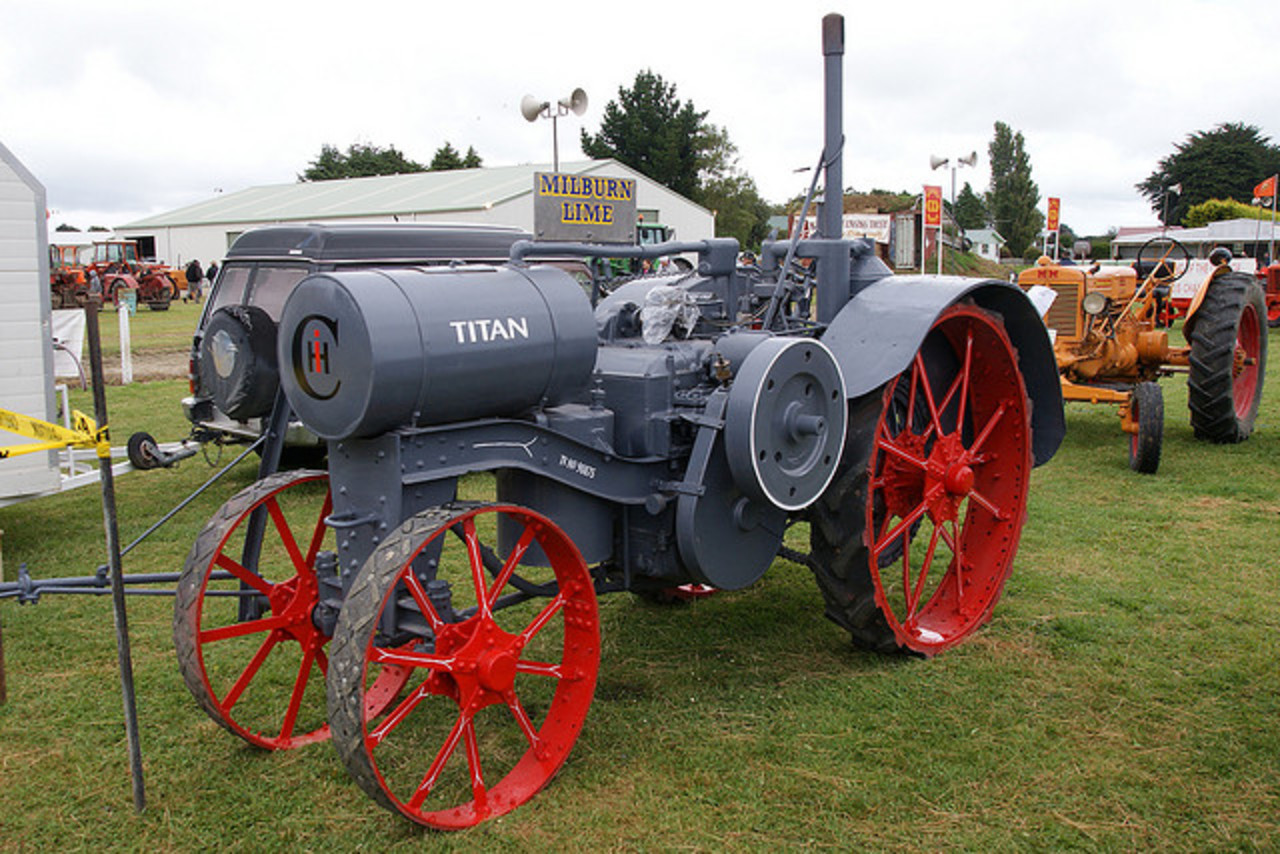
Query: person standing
[
  {"x": 194, "y": 274},
  {"x": 211, "y": 273}
]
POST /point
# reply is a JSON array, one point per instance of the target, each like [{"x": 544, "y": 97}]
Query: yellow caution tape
[{"x": 84, "y": 433}]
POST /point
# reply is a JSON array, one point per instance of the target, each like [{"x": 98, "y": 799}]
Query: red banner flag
[
  {"x": 932, "y": 207},
  {"x": 1266, "y": 188},
  {"x": 1055, "y": 206}
]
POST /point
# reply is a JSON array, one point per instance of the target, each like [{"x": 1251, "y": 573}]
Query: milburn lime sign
[{"x": 584, "y": 207}]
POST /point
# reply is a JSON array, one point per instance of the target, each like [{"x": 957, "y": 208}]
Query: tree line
[
  {"x": 362, "y": 160},
  {"x": 649, "y": 128}
]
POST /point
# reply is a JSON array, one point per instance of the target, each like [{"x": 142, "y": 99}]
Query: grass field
[
  {"x": 151, "y": 331},
  {"x": 1126, "y": 694}
]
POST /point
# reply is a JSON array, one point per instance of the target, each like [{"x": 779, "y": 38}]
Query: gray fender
[{"x": 877, "y": 333}]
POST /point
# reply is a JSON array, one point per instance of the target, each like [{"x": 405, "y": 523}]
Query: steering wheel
[{"x": 1158, "y": 258}]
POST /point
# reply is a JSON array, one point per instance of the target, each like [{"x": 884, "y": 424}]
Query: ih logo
[{"x": 315, "y": 349}]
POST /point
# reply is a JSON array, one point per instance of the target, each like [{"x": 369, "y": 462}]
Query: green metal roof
[{"x": 382, "y": 195}]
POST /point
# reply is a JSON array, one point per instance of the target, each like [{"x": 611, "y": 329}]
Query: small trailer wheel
[{"x": 498, "y": 682}]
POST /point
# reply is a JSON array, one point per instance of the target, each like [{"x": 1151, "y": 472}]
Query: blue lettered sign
[{"x": 591, "y": 208}]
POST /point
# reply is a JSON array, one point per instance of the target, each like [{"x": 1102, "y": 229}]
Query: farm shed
[
  {"x": 26, "y": 354},
  {"x": 501, "y": 195}
]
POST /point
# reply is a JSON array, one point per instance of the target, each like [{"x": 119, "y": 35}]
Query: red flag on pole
[{"x": 1266, "y": 188}]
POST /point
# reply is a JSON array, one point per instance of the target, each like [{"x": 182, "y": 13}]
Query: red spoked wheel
[
  {"x": 500, "y": 681},
  {"x": 248, "y": 647},
  {"x": 949, "y": 476},
  {"x": 913, "y": 539}
]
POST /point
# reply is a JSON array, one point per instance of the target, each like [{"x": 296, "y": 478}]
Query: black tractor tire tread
[
  {"x": 1213, "y": 341},
  {"x": 186, "y": 615},
  {"x": 1150, "y": 402},
  {"x": 840, "y": 555}
]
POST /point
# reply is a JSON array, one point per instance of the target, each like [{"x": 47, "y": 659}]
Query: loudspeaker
[
  {"x": 576, "y": 102},
  {"x": 531, "y": 107}
]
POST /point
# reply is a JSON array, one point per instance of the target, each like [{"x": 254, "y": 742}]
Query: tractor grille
[{"x": 1064, "y": 314}]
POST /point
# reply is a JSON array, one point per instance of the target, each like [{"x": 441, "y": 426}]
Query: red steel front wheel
[
  {"x": 499, "y": 681},
  {"x": 248, "y": 648}
]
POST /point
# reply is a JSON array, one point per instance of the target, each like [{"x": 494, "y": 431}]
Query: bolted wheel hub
[
  {"x": 959, "y": 479},
  {"x": 948, "y": 478},
  {"x": 497, "y": 671}
]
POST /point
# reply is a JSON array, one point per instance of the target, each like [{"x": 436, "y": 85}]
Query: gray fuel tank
[{"x": 364, "y": 351}]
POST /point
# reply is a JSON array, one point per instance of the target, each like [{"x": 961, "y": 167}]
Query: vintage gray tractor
[{"x": 669, "y": 435}]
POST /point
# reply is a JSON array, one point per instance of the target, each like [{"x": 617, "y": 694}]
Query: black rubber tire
[
  {"x": 839, "y": 554},
  {"x": 1144, "y": 448},
  {"x": 1212, "y": 335},
  {"x": 143, "y": 451},
  {"x": 246, "y": 388}
]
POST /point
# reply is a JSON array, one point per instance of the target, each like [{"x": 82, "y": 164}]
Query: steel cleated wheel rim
[
  {"x": 949, "y": 474},
  {"x": 248, "y": 646},
  {"x": 499, "y": 683}
]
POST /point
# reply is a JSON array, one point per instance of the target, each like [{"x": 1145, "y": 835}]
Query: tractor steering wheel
[{"x": 1159, "y": 256}]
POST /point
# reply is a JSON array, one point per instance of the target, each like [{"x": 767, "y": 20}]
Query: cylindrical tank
[{"x": 364, "y": 351}]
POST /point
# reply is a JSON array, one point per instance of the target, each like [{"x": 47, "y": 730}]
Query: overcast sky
[{"x": 127, "y": 109}]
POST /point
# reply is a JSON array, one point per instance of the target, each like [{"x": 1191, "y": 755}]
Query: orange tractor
[
  {"x": 1111, "y": 348},
  {"x": 118, "y": 266},
  {"x": 67, "y": 281}
]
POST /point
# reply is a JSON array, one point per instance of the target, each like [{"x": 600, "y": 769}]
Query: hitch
[{"x": 145, "y": 452}]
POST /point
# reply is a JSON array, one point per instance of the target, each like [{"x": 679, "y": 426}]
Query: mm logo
[{"x": 315, "y": 350}]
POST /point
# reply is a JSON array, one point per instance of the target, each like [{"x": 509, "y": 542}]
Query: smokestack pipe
[{"x": 832, "y": 223}]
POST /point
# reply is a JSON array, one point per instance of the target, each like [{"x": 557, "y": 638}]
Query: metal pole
[
  {"x": 1275, "y": 202},
  {"x": 955, "y": 222},
  {"x": 2, "y": 688},
  {"x": 113, "y": 557},
  {"x": 555, "y": 142}
]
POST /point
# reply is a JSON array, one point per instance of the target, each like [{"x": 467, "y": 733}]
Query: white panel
[{"x": 24, "y": 285}]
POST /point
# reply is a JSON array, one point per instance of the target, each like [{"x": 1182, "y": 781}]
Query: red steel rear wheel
[
  {"x": 500, "y": 683},
  {"x": 914, "y": 539},
  {"x": 958, "y": 462}
]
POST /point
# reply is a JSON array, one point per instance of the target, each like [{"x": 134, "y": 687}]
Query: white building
[
  {"x": 985, "y": 243},
  {"x": 500, "y": 195},
  {"x": 26, "y": 352},
  {"x": 1246, "y": 238}
]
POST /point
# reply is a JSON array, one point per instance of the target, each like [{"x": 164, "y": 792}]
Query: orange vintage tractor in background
[
  {"x": 1110, "y": 346},
  {"x": 67, "y": 282}
]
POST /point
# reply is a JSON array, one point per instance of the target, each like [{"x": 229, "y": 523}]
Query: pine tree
[{"x": 1013, "y": 196}]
